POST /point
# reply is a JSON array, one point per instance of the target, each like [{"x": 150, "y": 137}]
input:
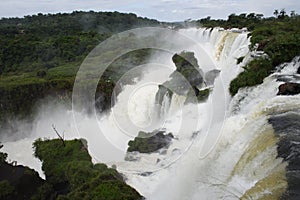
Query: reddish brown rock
[{"x": 289, "y": 89}]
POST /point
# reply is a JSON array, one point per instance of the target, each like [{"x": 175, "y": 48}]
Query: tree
[
  {"x": 276, "y": 13},
  {"x": 60, "y": 137},
  {"x": 282, "y": 13},
  {"x": 3, "y": 156},
  {"x": 259, "y": 16}
]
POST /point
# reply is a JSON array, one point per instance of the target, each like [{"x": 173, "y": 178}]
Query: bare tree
[{"x": 60, "y": 137}]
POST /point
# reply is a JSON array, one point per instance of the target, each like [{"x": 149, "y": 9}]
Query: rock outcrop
[
  {"x": 289, "y": 89},
  {"x": 149, "y": 144},
  {"x": 187, "y": 80}
]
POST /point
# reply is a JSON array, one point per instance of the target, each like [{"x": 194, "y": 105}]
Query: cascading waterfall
[
  {"x": 244, "y": 164},
  {"x": 227, "y": 150}
]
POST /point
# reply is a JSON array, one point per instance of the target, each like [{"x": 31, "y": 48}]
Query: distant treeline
[{"x": 47, "y": 41}]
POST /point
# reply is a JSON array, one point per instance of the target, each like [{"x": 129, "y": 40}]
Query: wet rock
[
  {"x": 132, "y": 157},
  {"x": 287, "y": 129},
  {"x": 210, "y": 76},
  {"x": 176, "y": 151},
  {"x": 161, "y": 93},
  {"x": 145, "y": 174},
  {"x": 289, "y": 89},
  {"x": 144, "y": 144},
  {"x": 298, "y": 71},
  {"x": 195, "y": 134}
]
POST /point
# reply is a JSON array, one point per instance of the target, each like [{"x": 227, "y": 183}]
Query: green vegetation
[
  {"x": 278, "y": 37},
  {"x": 47, "y": 41},
  {"x": 6, "y": 190},
  {"x": 203, "y": 95},
  {"x": 71, "y": 175},
  {"x": 39, "y": 58},
  {"x": 253, "y": 74},
  {"x": 41, "y": 54}
]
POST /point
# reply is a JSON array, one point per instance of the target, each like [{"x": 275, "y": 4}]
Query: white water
[{"x": 221, "y": 162}]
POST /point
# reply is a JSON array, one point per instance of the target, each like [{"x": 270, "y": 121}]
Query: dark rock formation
[
  {"x": 144, "y": 144},
  {"x": 289, "y": 89},
  {"x": 187, "y": 80},
  {"x": 298, "y": 71},
  {"x": 161, "y": 93},
  {"x": 187, "y": 66},
  {"x": 287, "y": 129},
  {"x": 195, "y": 95}
]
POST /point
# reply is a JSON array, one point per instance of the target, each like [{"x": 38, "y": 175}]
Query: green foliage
[
  {"x": 41, "y": 54},
  {"x": 51, "y": 151},
  {"x": 6, "y": 190},
  {"x": 47, "y": 41},
  {"x": 44, "y": 192},
  {"x": 234, "y": 21},
  {"x": 278, "y": 37},
  {"x": 203, "y": 95},
  {"x": 195, "y": 95},
  {"x": 69, "y": 168},
  {"x": 254, "y": 74}
]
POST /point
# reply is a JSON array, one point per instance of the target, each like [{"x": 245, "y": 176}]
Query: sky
[{"x": 163, "y": 10}]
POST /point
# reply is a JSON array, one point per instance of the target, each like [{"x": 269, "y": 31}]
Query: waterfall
[
  {"x": 224, "y": 148},
  {"x": 244, "y": 163}
]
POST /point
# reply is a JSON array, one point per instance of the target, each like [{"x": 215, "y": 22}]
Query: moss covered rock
[{"x": 150, "y": 142}]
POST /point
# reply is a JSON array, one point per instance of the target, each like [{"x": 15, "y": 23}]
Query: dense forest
[{"x": 40, "y": 54}]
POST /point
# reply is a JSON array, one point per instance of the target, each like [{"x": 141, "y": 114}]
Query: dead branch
[{"x": 60, "y": 137}]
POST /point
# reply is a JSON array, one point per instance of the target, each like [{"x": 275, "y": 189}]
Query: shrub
[{"x": 253, "y": 74}]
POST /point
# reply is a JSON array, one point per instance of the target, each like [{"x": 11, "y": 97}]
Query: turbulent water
[{"x": 224, "y": 148}]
